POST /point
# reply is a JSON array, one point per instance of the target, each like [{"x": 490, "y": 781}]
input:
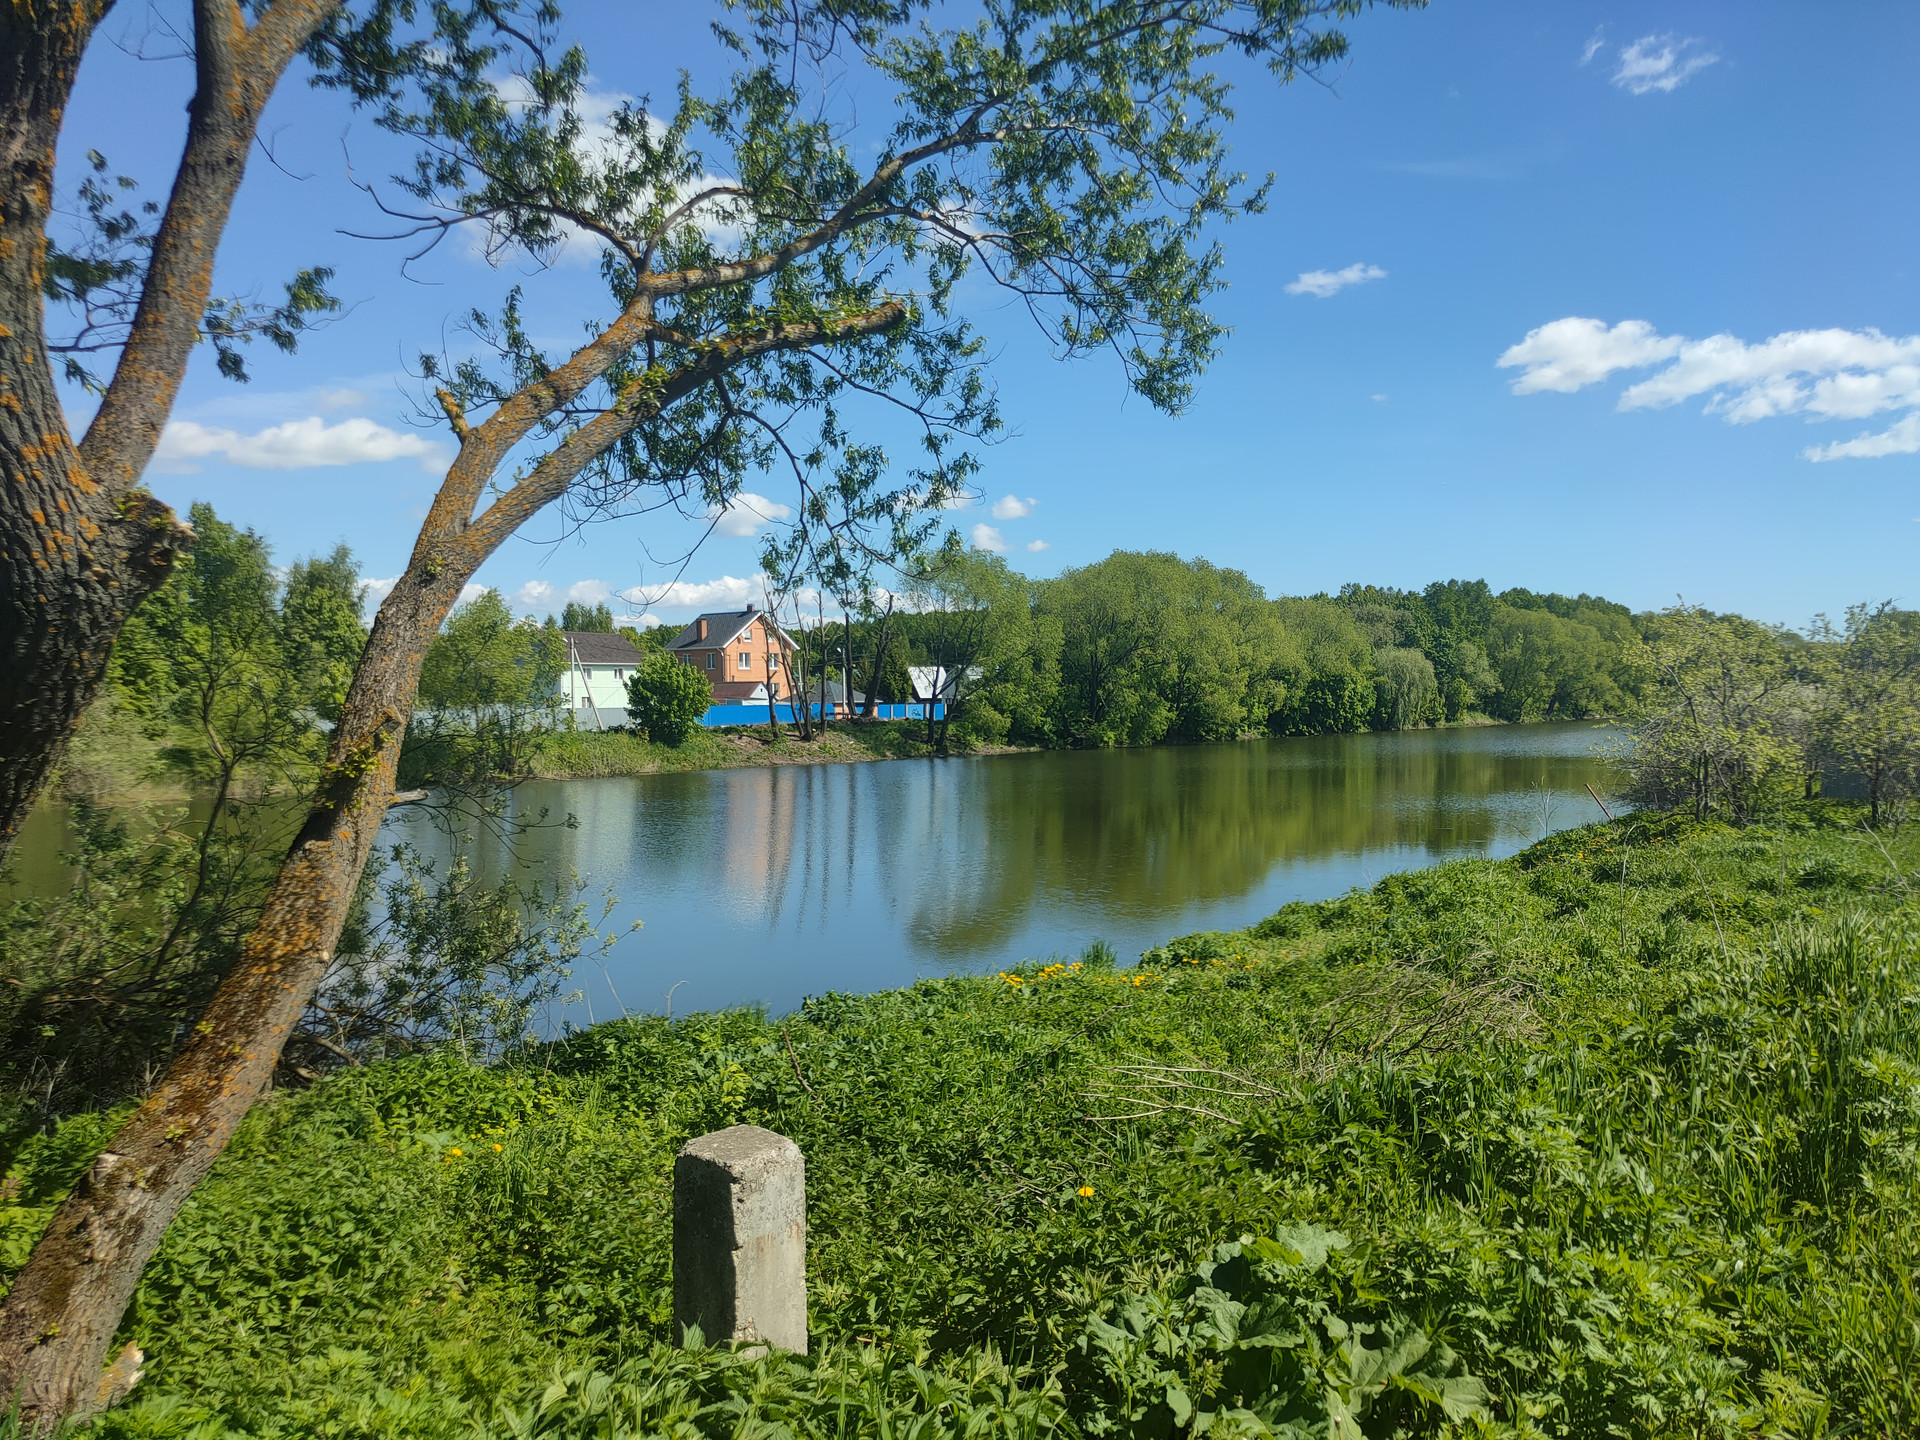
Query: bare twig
[{"x": 791, "y": 1055}]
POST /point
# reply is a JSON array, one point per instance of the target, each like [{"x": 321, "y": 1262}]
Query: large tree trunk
[
  {"x": 73, "y": 558},
  {"x": 80, "y": 543},
  {"x": 65, "y": 1305}
]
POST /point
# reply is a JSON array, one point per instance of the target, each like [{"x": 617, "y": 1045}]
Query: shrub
[{"x": 667, "y": 698}]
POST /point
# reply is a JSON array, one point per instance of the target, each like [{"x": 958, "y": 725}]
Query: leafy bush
[
  {"x": 1248, "y": 1340},
  {"x": 444, "y": 960},
  {"x": 489, "y": 688},
  {"x": 667, "y": 698}
]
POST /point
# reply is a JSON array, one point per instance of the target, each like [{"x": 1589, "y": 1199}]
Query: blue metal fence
[{"x": 757, "y": 714}]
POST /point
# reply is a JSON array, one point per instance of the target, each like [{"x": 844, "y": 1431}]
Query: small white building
[
  {"x": 595, "y": 684},
  {"x": 936, "y": 683}
]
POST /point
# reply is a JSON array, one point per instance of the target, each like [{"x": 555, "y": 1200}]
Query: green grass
[
  {"x": 1618, "y": 1137},
  {"x": 591, "y": 754}
]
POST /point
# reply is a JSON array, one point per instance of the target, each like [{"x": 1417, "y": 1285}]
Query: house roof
[
  {"x": 596, "y": 647},
  {"x": 739, "y": 692},
  {"x": 928, "y": 681},
  {"x": 932, "y": 682},
  {"x": 722, "y": 626},
  {"x": 836, "y": 693}
]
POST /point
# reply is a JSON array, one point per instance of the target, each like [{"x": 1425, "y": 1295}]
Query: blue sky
[{"x": 1688, "y": 230}]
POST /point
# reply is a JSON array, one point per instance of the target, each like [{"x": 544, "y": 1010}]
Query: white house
[{"x": 598, "y": 665}]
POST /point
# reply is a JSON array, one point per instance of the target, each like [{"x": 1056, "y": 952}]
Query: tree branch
[
  {"x": 550, "y": 478},
  {"x": 237, "y": 71}
]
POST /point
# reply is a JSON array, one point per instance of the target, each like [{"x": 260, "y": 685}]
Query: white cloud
[
  {"x": 1900, "y": 438},
  {"x": 729, "y": 592},
  {"x": 536, "y": 593},
  {"x": 1322, "y": 283},
  {"x": 645, "y": 622},
  {"x": 373, "y": 592},
  {"x": 1036, "y": 546},
  {"x": 1835, "y": 374},
  {"x": 1822, "y": 374},
  {"x": 1660, "y": 62},
  {"x": 601, "y": 151},
  {"x": 296, "y": 445},
  {"x": 1012, "y": 507},
  {"x": 1595, "y": 44},
  {"x": 1378, "y": 399},
  {"x": 1567, "y": 354},
  {"x": 748, "y": 514},
  {"x": 986, "y": 537}
]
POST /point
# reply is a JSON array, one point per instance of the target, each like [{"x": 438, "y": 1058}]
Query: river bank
[
  {"x": 598, "y": 755},
  {"x": 594, "y": 755},
  {"x": 1616, "y": 1136}
]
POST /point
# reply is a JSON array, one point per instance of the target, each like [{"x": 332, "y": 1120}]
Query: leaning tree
[
  {"x": 766, "y": 295},
  {"x": 81, "y": 541}
]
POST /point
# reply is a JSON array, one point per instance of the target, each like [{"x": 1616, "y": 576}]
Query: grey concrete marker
[{"x": 740, "y": 1238}]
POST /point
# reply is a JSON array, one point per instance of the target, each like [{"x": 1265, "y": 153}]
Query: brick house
[{"x": 743, "y": 653}]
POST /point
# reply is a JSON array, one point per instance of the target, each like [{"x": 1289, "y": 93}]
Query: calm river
[{"x": 773, "y": 884}]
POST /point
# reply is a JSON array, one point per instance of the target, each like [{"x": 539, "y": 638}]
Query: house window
[
  {"x": 747, "y": 634},
  {"x": 746, "y": 659},
  {"x": 709, "y": 659},
  {"x": 619, "y": 674},
  {"x": 773, "y": 663}
]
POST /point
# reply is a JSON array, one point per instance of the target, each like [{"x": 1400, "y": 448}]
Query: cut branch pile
[{"x": 1398, "y": 1014}]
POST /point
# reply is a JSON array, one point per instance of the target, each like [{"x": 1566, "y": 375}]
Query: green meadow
[{"x": 1619, "y": 1136}]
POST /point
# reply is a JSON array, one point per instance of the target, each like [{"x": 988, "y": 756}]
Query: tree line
[
  {"x": 227, "y": 678},
  {"x": 1741, "y": 716},
  {"x": 1142, "y": 648}
]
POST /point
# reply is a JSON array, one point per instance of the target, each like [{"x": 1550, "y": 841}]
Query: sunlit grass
[{"x": 1621, "y": 1136}]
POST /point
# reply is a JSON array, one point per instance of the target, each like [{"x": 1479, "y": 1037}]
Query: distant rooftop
[
  {"x": 597, "y": 647},
  {"x": 722, "y": 626}
]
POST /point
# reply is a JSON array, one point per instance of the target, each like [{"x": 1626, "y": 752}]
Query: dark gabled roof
[
  {"x": 596, "y": 647},
  {"x": 722, "y": 626},
  {"x": 836, "y": 694}
]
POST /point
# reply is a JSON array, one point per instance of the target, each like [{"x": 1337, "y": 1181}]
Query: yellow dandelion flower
[
  {"x": 455, "y": 1151},
  {"x": 1086, "y": 1191},
  {"x": 496, "y": 1148}
]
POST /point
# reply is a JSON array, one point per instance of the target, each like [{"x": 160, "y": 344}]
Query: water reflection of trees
[
  {"x": 956, "y": 857},
  {"x": 1147, "y": 834}
]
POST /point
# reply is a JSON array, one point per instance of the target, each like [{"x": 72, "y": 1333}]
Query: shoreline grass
[
  {"x": 588, "y": 754},
  {"x": 594, "y": 755}
]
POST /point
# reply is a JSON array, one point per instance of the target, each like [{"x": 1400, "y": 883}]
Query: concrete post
[{"x": 740, "y": 1239}]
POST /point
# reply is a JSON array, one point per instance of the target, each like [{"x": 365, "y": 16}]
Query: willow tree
[
  {"x": 767, "y": 297},
  {"x": 81, "y": 541}
]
